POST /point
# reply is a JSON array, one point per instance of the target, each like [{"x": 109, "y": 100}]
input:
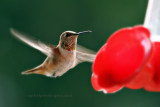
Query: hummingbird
[{"x": 61, "y": 58}]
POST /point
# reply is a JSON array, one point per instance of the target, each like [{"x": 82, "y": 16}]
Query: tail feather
[{"x": 37, "y": 70}]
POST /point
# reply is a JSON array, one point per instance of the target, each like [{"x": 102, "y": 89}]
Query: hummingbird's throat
[
  {"x": 71, "y": 49},
  {"x": 68, "y": 47}
]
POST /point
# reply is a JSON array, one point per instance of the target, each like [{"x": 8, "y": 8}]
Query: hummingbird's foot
[{"x": 54, "y": 75}]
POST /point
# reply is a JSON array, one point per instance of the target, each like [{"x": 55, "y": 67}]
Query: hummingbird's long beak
[{"x": 82, "y": 32}]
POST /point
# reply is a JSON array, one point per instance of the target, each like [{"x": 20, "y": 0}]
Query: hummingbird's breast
[{"x": 62, "y": 61}]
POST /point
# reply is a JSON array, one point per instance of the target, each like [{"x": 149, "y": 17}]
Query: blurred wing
[
  {"x": 35, "y": 44},
  {"x": 85, "y": 50},
  {"x": 83, "y": 57}
]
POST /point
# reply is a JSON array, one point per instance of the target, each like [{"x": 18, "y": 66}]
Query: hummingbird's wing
[
  {"x": 84, "y": 55},
  {"x": 47, "y": 50},
  {"x": 85, "y": 50}
]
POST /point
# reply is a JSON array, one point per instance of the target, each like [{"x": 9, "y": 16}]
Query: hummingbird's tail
[{"x": 37, "y": 70}]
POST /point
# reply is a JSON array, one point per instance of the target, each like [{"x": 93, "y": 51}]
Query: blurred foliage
[{"x": 46, "y": 20}]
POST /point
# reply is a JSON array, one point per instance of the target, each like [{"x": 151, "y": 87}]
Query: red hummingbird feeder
[{"x": 130, "y": 57}]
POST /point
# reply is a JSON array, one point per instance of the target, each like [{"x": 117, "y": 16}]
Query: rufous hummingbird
[{"x": 66, "y": 55}]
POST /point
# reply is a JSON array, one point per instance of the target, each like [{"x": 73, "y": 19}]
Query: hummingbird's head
[{"x": 68, "y": 40}]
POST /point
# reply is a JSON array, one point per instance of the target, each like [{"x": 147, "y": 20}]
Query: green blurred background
[{"x": 46, "y": 20}]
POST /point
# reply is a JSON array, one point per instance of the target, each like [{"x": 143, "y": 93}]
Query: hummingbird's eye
[{"x": 67, "y": 34}]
